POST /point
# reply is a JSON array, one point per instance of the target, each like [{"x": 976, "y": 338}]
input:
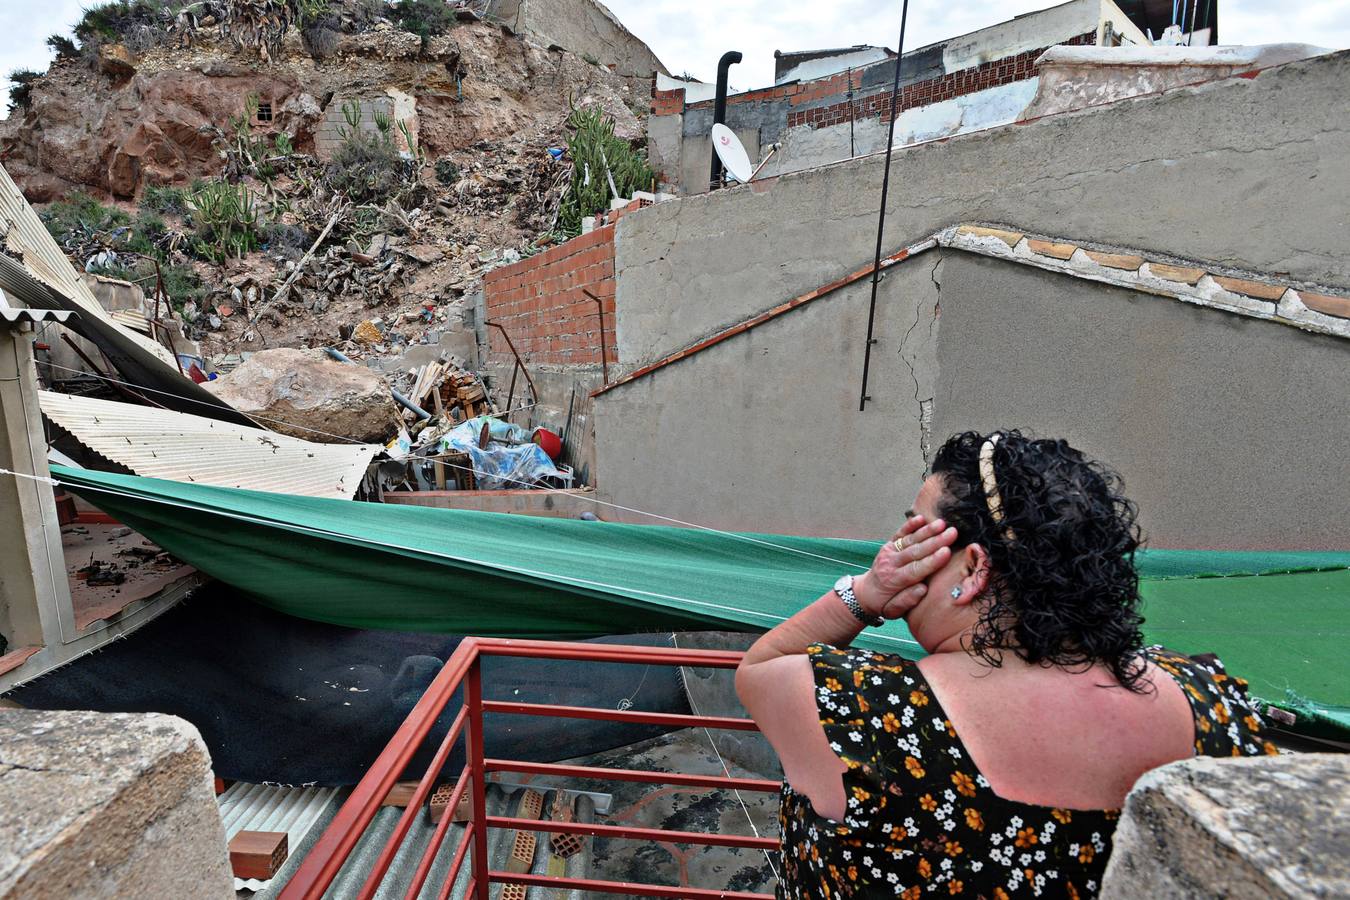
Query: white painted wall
[
  {"x": 831, "y": 65},
  {"x": 1027, "y": 32},
  {"x": 694, "y": 91},
  {"x": 982, "y": 109}
]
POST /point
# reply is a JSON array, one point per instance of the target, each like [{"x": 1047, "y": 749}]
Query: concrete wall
[
  {"x": 1247, "y": 171},
  {"x": 1226, "y": 429},
  {"x": 107, "y": 805},
  {"x": 584, "y": 27},
  {"x": 761, "y": 432}
]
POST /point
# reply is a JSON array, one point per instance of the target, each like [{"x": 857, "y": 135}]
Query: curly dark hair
[{"x": 1063, "y": 587}]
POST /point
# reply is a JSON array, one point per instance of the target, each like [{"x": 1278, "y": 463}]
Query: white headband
[{"x": 990, "y": 482}]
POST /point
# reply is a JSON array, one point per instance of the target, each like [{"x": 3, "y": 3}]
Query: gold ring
[{"x": 900, "y": 544}]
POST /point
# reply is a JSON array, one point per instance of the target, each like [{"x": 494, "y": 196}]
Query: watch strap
[{"x": 844, "y": 588}]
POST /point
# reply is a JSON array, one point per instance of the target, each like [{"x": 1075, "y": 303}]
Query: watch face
[{"x": 844, "y": 584}]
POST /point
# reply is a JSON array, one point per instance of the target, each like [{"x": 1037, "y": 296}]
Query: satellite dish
[{"x": 732, "y": 153}]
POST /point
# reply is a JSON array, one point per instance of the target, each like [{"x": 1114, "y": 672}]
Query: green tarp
[{"x": 1279, "y": 619}]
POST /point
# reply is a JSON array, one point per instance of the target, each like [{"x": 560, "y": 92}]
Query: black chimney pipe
[{"x": 730, "y": 58}]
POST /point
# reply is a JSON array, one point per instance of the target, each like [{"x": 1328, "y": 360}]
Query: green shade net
[{"x": 1278, "y": 619}]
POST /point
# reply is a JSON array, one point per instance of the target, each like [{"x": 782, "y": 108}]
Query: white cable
[
  {"x": 618, "y": 590},
  {"x": 641, "y": 512},
  {"x": 689, "y": 695}
]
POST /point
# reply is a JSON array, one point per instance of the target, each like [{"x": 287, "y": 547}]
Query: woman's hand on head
[{"x": 896, "y": 579}]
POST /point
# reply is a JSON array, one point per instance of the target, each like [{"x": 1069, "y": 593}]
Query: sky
[{"x": 690, "y": 35}]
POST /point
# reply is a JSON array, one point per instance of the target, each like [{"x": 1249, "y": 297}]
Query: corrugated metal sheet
[
  {"x": 264, "y": 807},
  {"x": 398, "y": 879},
  {"x": 45, "y": 279},
  {"x": 161, "y": 443},
  {"x": 27, "y": 237}
]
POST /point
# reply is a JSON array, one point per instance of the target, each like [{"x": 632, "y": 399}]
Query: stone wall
[{"x": 107, "y": 805}]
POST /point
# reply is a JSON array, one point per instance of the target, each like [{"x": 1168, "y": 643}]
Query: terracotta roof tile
[
  {"x": 1326, "y": 304},
  {"x": 1257, "y": 289},
  {"x": 1125, "y": 261},
  {"x": 1183, "y": 274},
  {"x": 1011, "y": 238},
  {"x": 1051, "y": 249}
]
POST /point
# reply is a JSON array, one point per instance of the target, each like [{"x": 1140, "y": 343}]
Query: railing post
[{"x": 473, "y": 696}]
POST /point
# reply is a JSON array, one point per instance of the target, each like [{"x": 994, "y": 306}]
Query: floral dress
[{"x": 921, "y": 819}]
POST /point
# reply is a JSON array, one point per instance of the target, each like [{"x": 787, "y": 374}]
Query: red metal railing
[{"x": 325, "y": 860}]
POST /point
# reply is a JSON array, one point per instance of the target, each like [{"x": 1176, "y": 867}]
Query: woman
[{"x": 996, "y": 765}]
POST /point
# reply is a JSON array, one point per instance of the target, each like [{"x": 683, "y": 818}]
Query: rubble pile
[{"x": 471, "y": 122}]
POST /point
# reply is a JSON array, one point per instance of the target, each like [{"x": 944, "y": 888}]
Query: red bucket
[{"x": 549, "y": 442}]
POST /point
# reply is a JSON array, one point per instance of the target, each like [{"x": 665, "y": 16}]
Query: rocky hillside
[{"x": 414, "y": 155}]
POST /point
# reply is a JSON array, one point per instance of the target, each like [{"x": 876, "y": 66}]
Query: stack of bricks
[{"x": 541, "y": 303}]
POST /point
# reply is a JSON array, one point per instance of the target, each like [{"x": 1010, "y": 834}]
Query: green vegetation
[
  {"x": 369, "y": 169},
  {"x": 80, "y": 217},
  {"x": 424, "y": 18},
  {"x": 165, "y": 199},
  {"x": 447, "y": 173},
  {"x": 109, "y": 21},
  {"x": 597, "y": 156},
  {"x": 62, "y": 46},
  {"x": 226, "y": 221},
  {"x": 21, "y": 86},
  {"x": 80, "y": 223}
]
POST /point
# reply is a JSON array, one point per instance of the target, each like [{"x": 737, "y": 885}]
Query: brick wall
[
  {"x": 667, "y": 103},
  {"x": 921, "y": 93},
  {"x": 539, "y": 301}
]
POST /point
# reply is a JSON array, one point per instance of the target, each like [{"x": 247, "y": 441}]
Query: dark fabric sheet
[{"x": 288, "y": 700}]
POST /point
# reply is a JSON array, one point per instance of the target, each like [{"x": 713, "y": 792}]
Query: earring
[{"x": 956, "y": 592}]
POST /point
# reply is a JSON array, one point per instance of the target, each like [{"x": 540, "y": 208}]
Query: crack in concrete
[{"x": 925, "y": 405}]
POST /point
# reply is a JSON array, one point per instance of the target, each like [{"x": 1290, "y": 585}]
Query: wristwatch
[{"x": 844, "y": 588}]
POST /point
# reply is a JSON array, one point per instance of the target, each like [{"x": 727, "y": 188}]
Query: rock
[
  {"x": 367, "y": 333},
  {"x": 426, "y": 254},
  {"x": 114, "y": 60},
  {"x": 1246, "y": 829},
  {"x": 306, "y": 394},
  {"x": 107, "y": 805}
]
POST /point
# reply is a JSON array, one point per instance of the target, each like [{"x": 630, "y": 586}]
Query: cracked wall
[
  {"x": 1247, "y": 172},
  {"x": 761, "y": 432},
  {"x": 1228, "y": 430}
]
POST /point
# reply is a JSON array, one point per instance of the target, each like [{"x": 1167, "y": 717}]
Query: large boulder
[
  {"x": 307, "y": 395},
  {"x": 1240, "y": 829}
]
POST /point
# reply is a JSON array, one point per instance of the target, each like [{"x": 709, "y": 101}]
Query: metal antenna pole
[{"x": 881, "y": 217}]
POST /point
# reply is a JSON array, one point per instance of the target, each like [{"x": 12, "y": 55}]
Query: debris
[{"x": 367, "y": 333}]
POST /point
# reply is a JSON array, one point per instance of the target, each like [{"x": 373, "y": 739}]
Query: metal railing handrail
[{"x": 326, "y": 859}]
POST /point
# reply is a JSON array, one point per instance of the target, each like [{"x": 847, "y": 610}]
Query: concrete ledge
[
  {"x": 1257, "y": 827},
  {"x": 105, "y": 805}
]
